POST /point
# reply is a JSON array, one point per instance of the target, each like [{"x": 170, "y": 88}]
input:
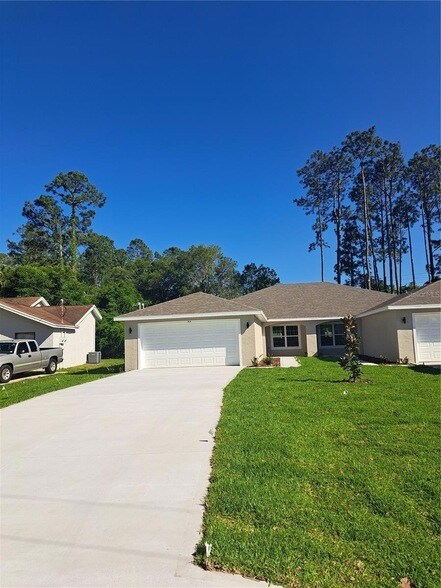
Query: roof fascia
[
  {"x": 96, "y": 314},
  {"x": 413, "y": 306},
  {"x": 234, "y": 313},
  {"x": 309, "y": 318},
  {"x": 399, "y": 307}
]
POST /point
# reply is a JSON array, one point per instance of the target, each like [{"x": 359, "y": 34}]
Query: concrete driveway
[{"x": 102, "y": 484}]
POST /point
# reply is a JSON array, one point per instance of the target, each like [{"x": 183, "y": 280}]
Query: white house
[{"x": 69, "y": 327}]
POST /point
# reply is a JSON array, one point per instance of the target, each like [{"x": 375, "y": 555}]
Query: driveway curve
[{"x": 103, "y": 483}]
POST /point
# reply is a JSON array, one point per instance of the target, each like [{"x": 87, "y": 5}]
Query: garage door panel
[
  {"x": 190, "y": 343},
  {"x": 427, "y": 333}
]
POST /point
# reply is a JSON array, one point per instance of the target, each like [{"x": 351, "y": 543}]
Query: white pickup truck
[{"x": 24, "y": 355}]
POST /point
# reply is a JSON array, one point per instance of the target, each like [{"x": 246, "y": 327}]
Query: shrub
[{"x": 268, "y": 360}]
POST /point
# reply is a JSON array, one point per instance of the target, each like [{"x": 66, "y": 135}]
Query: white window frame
[
  {"x": 285, "y": 337},
  {"x": 332, "y": 324}
]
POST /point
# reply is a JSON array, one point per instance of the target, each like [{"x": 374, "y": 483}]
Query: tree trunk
[
  {"x": 425, "y": 242},
  {"x": 412, "y": 266},
  {"x": 389, "y": 249},
  {"x": 73, "y": 241},
  {"x": 374, "y": 257},
  {"x": 322, "y": 261},
  {"x": 60, "y": 246},
  {"x": 366, "y": 232},
  {"x": 337, "y": 219},
  {"x": 383, "y": 248},
  {"x": 430, "y": 244}
]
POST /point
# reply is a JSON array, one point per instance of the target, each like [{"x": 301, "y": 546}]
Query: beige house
[
  {"x": 69, "y": 327},
  {"x": 409, "y": 324},
  {"x": 283, "y": 320}
]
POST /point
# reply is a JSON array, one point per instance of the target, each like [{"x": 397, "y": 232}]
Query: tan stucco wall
[
  {"x": 252, "y": 341},
  {"x": 130, "y": 346},
  {"x": 386, "y": 334},
  {"x": 379, "y": 334},
  {"x": 405, "y": 332},
  {"x": 311, "y": 338}
]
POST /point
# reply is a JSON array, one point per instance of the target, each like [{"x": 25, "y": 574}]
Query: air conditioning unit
[{"x": 94, "y": 357}]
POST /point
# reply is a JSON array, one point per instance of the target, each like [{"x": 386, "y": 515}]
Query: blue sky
[{"x": 193, "y": 117}]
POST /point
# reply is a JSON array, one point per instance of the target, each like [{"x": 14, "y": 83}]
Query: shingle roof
[
  {"x": 313, "y": 300},
  {"x": 198, "y": 303},
  {"x": 427, "y": 295},
  {"x": 23, "y": 300},
  {"x": 430, "y": 294},
  {"x": 50, "y": 314}
]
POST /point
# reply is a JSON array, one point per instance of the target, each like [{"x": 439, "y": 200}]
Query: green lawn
[
  {"x": 312, "y": 487},
  {"x": 28, "y": 388}
]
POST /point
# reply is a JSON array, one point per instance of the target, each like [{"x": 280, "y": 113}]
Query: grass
[
  {"x": 314, "y": 487},
  {"x": 28, "y": 388}
]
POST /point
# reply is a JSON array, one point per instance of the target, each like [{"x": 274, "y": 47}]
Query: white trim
[
  {"x": 414, "y": 339},
  {"x": 41, "y": 299},
  {"x": 95, "y": 312},
  {"x": 291, "y": 320},
  {"x": 230, "y": 327},
  {"x": 414, "y": 307},
  {"x": 399, "y": 307},
  {"x": 35, "y": 318},
  {"x": 139, "y": 367},
  {"x": 200, "y": 315},
  {"x": 369, "y": 312}
]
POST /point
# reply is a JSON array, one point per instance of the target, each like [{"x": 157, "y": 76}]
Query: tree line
[
  {"x": 58, "y": 255},
  {"x": 372, "y": 201}
]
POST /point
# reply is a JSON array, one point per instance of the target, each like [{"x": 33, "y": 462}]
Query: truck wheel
[
  {"x": 5, "y": 373},
  {"x": 52, "y": 366}
]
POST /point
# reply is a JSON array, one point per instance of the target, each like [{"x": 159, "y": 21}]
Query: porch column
[{"x": 311, "y": 339}]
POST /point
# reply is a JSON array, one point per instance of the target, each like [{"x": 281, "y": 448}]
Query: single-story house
[
  {"x": 282, "y": 320},
  {"x": 69, "y": 327}
]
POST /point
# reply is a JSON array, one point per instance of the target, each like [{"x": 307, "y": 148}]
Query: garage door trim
[{"x": 233, "y": 325}]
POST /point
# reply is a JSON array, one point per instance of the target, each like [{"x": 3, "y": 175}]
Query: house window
[
  {"x": 29, "y": 335},
  {"x": 285, "y": 336},
  {"x": 332, "y": 335}
]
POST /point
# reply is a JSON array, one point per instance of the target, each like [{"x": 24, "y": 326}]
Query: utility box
[{"x": 94, "y": 357}]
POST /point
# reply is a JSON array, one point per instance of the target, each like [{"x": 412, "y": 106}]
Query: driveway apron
[{"x": 103, "y": 483}]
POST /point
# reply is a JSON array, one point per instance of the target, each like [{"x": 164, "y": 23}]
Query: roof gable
[
  {"x": 56, "y": 316},
  {"x": 27, "y": 300},
  {"x": 427, "y": 295},
  {"x": 193, "y": 304}
]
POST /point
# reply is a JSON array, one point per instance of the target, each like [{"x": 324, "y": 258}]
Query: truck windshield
[{"x": 7, "y": 348}]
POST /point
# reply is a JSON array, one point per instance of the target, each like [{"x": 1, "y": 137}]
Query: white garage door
[
  {"x": 189, "y": 343},
  {"x": 427, "y": 332}
]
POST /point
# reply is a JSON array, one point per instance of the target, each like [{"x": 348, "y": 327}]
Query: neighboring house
[
  {"x": 294, "y": 319},
  {"x": 409, "y": 324},
  {"x": 69, "y": 327}
]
